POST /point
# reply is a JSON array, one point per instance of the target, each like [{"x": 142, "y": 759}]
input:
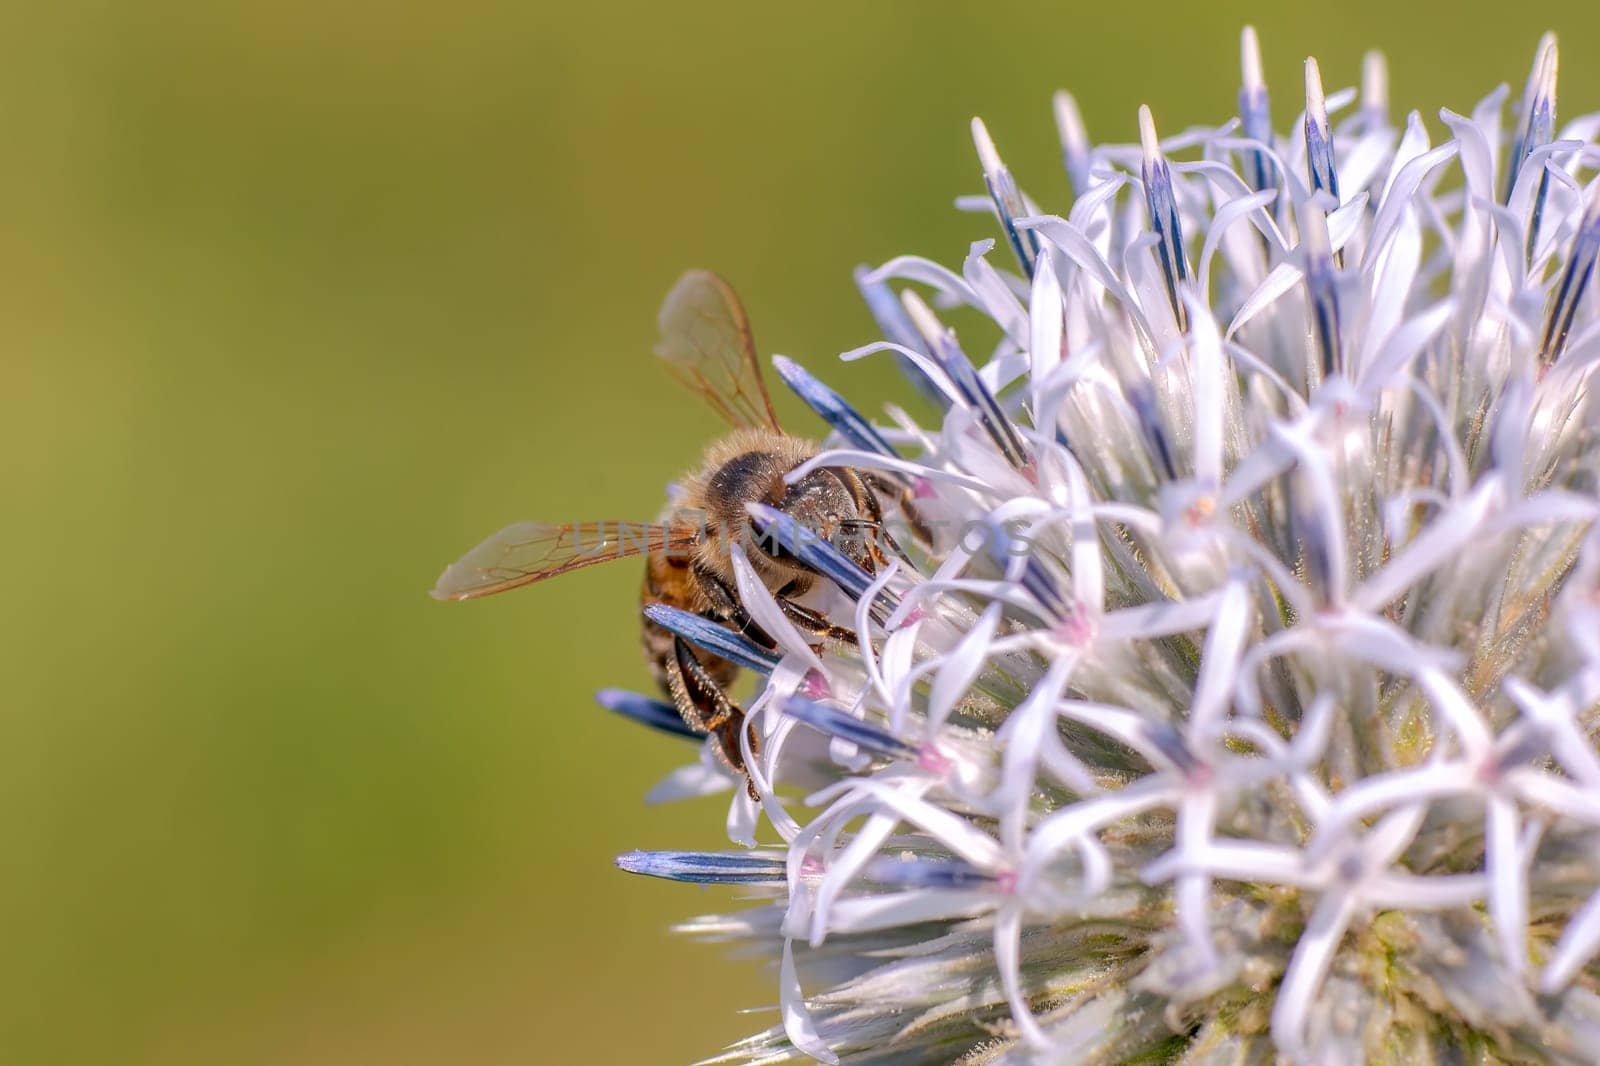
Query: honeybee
[{"x": 707, "y": 345}]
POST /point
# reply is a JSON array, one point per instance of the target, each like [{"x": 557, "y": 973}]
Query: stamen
[
  {"x": 832, "y": 408},
  {"x": 1007, "y": 200},
  {"x": 1163, "y": 207},
  {"x": 707, "y": 635},
  {"x": 1255, "y": 113},
  {"x": 657, "y": 714},
  {"x": 836, "y": 723},
  {"x": 708, "y": 867}
]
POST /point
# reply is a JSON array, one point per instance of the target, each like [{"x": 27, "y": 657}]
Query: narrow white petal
[
  {"x": 1579, "y": 943},
  {"x": 797, "y": 1021}
]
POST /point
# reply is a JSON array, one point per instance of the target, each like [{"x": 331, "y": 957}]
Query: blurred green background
[{"x": 299, "y": 301}]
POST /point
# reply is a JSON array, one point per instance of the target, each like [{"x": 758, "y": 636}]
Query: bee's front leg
[
  {"x": 813, "y": 624},
  {"x": 727, "y": 605},
  {"x": 905, "y": 498},
  {"x": 875, "y": 537}
]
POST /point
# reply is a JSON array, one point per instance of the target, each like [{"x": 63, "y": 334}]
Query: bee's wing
[
  {"x": 707, "y": 345},
  {"x": 532, "y": 551}
]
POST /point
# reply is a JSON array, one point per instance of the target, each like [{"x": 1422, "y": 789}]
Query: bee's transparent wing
[
  {"x": 532, "y": 551},
  {"x": 707, "y": 345}
]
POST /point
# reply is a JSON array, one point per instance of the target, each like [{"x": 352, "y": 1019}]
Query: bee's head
[{"x": 827, "y": 505}]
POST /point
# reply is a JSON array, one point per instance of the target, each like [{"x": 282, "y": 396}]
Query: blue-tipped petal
[
  {"x": 1536, "y": 130},
  {"x": 1074, "y": 142},
  {"x": 1163, "y": 206},
  {"x": 1255, "y": 112},
  {"x": 917, "y": 872},
  {"x": 1319, "y": 136},
  {"x": 1321, "y": 286},
  {"x": 1042, "y": 587},
  {"x": 1536, "y": 213},
  {"x": 887, "y": 312},
  {"x": 833, "y": 408},
  {"x": 1537, "y": 125},
  {"x": 1375, "y": 90},
  {"x": 959, "y": 369},
  {"x": 1167, "y": 740},
  {"x": 1520, "y": 745},
  {"x": 1016, "y": 558},
  {"x": 1317, "y": 551},
  {"x": 897, "y": 328},
  {"x": 657, "y": 714},
  {"x": 1569, "y": 290},
  {"x": 709, "y": 636},
  {"x": 837, "y": 723},
  {"x": 707, "y": 867},
  {"x": 1141, "y": 397},
  {"x": 774, "y": 527},
  {"x": 1007, "y": 200}
]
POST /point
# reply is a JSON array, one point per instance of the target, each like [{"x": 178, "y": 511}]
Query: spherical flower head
[{"x": 1230, "y": 688}]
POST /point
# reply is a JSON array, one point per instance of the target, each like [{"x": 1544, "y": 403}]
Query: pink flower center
[
  {"x": 916, "y": 614},
  {"x": 1078, "y": 628},
  {"x": 933, "y": 760}
]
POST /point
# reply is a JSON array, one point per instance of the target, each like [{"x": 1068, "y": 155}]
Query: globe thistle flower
[{"x": 1241, "y": 701}]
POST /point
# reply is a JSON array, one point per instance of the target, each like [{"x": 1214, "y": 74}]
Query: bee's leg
[
  {"x": 727, "y": 605},
  {"x": 873, "y": 490},
  {"x": 812, "y": 623},
  {"x": 701, "y": 701},
  {"x": 809, "y": 621},
  {"x": 865, "y": 498},
  {"x": 905, "y": 498},
  {"x": 880, "y": 535},
  {"x": 704, "y": 705}
]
